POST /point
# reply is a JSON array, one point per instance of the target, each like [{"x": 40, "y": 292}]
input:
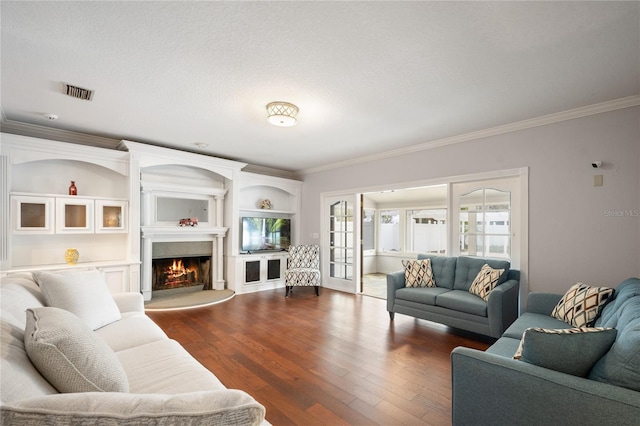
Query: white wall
[{"x": 575, "y": 233}]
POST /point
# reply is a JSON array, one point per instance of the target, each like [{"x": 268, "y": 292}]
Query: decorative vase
[
  {"x": 72, "y": 189},
  {"x": 71, "y": 256}
]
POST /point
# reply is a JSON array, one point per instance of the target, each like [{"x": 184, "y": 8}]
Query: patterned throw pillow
[
  {"x": 485, "y": 281},
  {"x": 571, "y": 350},
  {"x": 418, "y": 273},
  {"x": 581, "y": 304}
]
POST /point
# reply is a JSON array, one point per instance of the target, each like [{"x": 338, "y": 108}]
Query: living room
[{"x": 391, "y": 96}]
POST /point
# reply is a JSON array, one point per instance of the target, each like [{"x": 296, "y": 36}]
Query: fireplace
[
  {"x": 178, "y": 264},
  {"x": 175, "y": 272}
]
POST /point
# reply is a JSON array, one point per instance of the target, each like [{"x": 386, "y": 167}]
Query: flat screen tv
[{"x": 265, "y": 234}]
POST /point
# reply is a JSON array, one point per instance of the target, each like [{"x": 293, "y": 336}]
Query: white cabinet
[
  {"x": 111, "y": 216},
  {"x": 52, "y": 214},
  {"x": 260, "y": 269},
  {"x": 74, "y": 215},
  {"x": 32, "y": 214}
]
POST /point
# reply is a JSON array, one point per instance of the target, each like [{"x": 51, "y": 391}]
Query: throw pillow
[
  {"x": 486, "y": 280},
  {"x": 418, "y": 273},
  {"x": 70, "y": 355},
  {"x": 83, "y": 293},
  {"x": 581, "y": 304},
  {"x": 571, "y": 350}
]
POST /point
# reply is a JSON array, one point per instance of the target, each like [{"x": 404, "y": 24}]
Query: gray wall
[{"x": 575, "y": 231}]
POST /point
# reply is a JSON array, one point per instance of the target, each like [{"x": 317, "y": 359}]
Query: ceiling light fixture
[{"x": 282, "y": 114}]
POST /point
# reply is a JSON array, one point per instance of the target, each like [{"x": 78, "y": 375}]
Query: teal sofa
[
  {"x": 450, "y": 302},
  {"x": 492, "y": 388}
]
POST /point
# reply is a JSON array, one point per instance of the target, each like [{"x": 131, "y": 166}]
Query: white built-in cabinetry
[
  {"x": 34, "y": 214},
  {"x": 256, "y": 271},
  {"x": 127, "y": 200},
  {"x": 40, "y": 220}
]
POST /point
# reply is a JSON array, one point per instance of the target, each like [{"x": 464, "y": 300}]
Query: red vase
[{"x": 72, "y": 189}]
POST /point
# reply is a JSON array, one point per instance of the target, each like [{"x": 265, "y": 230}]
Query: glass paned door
[{"x": 340, "y": 251}]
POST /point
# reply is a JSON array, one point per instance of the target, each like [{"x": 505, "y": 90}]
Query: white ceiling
[{"x": 368, "y": 76}]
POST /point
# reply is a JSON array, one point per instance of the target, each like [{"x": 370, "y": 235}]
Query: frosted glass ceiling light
[{"x": 282, "y": 114}]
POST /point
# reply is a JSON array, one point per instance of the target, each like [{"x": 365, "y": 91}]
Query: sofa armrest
[
  {"x": 395, "y": 280},
  {"x": 489, "y": 389},
  {"x": 502, "y": 306},
  {"x": 129, "y": 302},
  {"x": 223, "y": 407},
  {"x": 542, "y": 303}
]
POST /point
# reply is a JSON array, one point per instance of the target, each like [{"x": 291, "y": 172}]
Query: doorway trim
[{"x": 522, "y": 173}]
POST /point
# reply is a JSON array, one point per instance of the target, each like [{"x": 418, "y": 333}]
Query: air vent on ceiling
[{"x": 78, "y": 92}]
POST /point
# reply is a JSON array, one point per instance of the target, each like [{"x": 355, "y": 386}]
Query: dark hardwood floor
[{"x": 333, "y": 359}]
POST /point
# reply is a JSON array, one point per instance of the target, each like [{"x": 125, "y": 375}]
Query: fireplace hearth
[{"x": 170, "y": 273}]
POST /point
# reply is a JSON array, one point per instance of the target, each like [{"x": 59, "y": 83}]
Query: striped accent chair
[{"x": 303, "y": 267}]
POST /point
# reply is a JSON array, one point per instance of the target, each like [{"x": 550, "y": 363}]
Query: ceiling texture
[{"x": 368, "y": 77}]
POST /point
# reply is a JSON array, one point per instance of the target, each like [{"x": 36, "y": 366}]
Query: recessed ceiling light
[
  {"x": 201, "y": 145},
  {"x": 51, "y": 117}
]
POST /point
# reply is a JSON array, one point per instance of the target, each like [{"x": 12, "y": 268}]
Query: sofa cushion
[
  {"x": 83, "y": 293},
  {"x": 417, "y": 273},
  {"x": 443, "y": 267},
  {"x": 571, "y": 350},
  {"x": 611, "y": 312},
  {"x": 180, "y": 371},
  {"x": 70, "y": 355},
  {"x": 485, "y": 281},
  {"x": 462, "y": 301},
  {"x": 581, "y": 304},
  {"x": 217, "y": 407},
  {"x": 420, "y": 295},
  {"x": 134, "y": 329},
  {"x": 528, "y": 320},
  {"x": 467, "y": 268},
  {"x": 621, "y": 365}
]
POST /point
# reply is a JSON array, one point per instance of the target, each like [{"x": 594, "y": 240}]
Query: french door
[{"x": 340, "y": 250}]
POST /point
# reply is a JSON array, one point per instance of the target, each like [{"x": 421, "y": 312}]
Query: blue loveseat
[
  {"x": 451, "y": 303},
  {"x": 492, "y": 388}
]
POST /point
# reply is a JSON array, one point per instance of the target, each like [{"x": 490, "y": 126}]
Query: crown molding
[
  {"x": 628, "y": 102},
  {"x": 44, "y": 132}
]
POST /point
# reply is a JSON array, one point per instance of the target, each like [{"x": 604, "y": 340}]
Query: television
[{"x": 265, "y": 234}]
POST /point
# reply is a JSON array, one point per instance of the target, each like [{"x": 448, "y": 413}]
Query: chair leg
[
  {"x": 391, "y": 315},
  {"x": 287, "y": 293},
  {"x": 317, "y": 291}
]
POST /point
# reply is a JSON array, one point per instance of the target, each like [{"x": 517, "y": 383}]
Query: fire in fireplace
[{"x": 181, "y": 272}]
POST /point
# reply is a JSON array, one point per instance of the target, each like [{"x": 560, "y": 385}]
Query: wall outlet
[{"x": 597, "y": 180}]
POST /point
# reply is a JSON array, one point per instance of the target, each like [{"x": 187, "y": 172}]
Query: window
[
  {"x": 369, "y": 230},
  {"x": 389, "y": 230},
  {"x": 427, "y": 231},
  {"x": 485, "y": 223}
]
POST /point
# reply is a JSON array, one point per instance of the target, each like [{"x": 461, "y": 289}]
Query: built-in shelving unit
[
  {"x": 129, "y": 198},
  {"x": 40, "y": 220},
  {"x": 261, "y": 270}
]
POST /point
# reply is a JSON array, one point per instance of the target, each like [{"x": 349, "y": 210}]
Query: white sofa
[{"x": 163, "y": 383}]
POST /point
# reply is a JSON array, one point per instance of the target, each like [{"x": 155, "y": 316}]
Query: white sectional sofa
[{"x": 97, "y": 358}]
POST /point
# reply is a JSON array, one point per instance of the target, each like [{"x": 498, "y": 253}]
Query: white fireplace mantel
[{"x": 164, "y": 234}]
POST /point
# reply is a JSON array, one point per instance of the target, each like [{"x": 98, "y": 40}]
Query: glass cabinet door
[
  {"x": 74, "y": 215},
  {"x": 32, "y": 215},
  {"x": 111, "y": 216}
]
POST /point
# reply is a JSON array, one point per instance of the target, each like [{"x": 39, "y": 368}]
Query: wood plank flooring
[{"x": 334, "y": 359}]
